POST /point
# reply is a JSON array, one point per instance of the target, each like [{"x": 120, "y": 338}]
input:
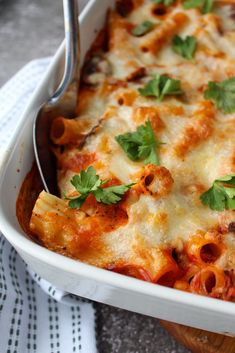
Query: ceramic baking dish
[{"x": 78, "y": 278}]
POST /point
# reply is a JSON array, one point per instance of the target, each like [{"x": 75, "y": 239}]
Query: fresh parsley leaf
[
  {"x": 143, "y": 28},
  {"x": 185, "y": 47},
  {"x": 87, "y": 183},
  {"x": 161, "y": 86},
  {"x": 140, "y": 144},
  {"x": 111, "y": 194},
  {"x": 223, "y": 94},
  {"x": 205, "y": 5},
  {"x": 164, "y": 2},
  {"x": 221, "y": 196},
  {"x": 190, "y": 4},
  {"x": 208, "y": 6}
]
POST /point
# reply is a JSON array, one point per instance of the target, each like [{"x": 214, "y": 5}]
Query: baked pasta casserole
[{"x": 146, "y": 171}]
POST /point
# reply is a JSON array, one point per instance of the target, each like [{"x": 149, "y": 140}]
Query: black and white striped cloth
[{"x": 35, "y": 317}]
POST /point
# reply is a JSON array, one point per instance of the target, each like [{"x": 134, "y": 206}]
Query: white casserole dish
[{"x": 79, "y": 278}]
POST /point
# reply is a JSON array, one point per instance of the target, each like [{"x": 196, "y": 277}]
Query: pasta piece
[
  {"x": 159, "y": 264},
  {"x": 196, "y": 132},
  {"x": 118, "y": 32},
  {"x": 204, "y": 249},
  {"x": 152, "y": 266},
  {"x": 163, "y": 33},
  {"x": 130, "y": 270},
  {"x": 168, "y": 274},
  {"x": 173, "y": 110},
  {"x": 182, "y": 285},
  {"x": 127, "y": 53},
  {"x": 74, "y": 232},
  {"x": 53, "y": 223},
  {"x": 156, "y": 181},
  {"x": 211, "y": 281},
  {"x": 69, "y": 131}
]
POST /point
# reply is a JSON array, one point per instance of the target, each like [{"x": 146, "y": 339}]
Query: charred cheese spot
[{"x": 136, "y": 74}]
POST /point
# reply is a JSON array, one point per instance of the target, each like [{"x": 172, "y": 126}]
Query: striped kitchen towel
[{"x": 35, "y": 317}]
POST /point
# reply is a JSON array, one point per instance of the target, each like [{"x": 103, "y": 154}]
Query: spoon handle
[{"x": 71, "y": 74}]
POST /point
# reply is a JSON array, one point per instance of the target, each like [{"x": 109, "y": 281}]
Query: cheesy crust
[{"x": 160, "y": 231}]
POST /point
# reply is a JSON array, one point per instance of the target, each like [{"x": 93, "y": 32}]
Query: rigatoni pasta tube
[
  {"x": 203, "y": 249},
  {"x": 209, "y": 281},
  {"x": 66, "y": 131},
  {"x": 155, "y": 180},
  {"x": 54, "y": 224},
  {"x": 158, "y": 263}
]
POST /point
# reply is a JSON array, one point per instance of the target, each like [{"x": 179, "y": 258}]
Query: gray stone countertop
[{"x": 32, "y": 29}]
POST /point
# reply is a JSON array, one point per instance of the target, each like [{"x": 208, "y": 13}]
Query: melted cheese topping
[{"x": 199, "y": 140}]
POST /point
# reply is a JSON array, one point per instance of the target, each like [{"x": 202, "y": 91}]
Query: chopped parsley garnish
[
  {"x": 140, "y": 145},
  {"x": 222, "y": 94},
  {"x": 164, "y": 2},
  {"x": 160, "y": 86},
  {"x": 205, "y": 5},
  {"x": 143, "y": 28},
  {"x": 88, "y": 183},
  {"x": 221, "y": 196},
  {"x": 184, "y": 47}
]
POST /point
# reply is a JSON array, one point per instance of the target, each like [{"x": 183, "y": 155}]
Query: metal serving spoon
[{"x": 62, "y": 103}]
